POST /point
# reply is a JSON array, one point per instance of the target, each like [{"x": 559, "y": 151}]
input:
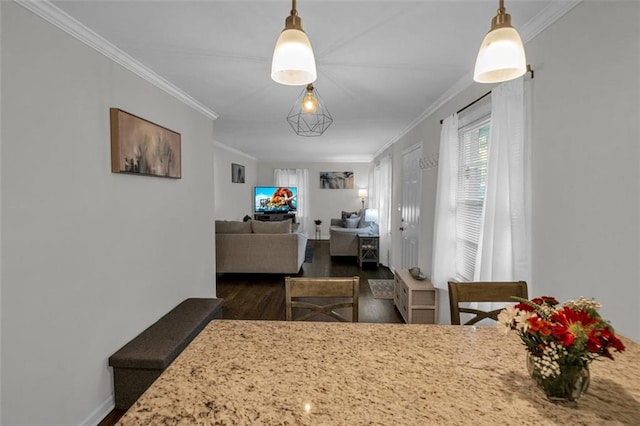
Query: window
[
  {"x": 300, "y": 179},
  {"x": 470, "y": 193}
]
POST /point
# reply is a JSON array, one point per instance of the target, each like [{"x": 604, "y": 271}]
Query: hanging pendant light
[
  {"x": 501, "y": 56},
  {"x": 308, "y": 115},
  {"x": 293, "y": 61}
]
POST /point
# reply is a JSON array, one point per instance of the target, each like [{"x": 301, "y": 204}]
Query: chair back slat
[
  {"x": 348, "y": 287},
  {"x": 485, "y": 291}
]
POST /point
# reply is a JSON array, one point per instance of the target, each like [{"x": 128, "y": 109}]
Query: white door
[{"x": 410, "y": 207}]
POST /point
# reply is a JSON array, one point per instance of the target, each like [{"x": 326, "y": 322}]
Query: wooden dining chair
[
  {"x": 482, "y": 292},
  {"x": 347, "y": 287}
]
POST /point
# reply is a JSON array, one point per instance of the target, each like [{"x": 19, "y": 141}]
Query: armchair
[{"x": 343, "y": 240}]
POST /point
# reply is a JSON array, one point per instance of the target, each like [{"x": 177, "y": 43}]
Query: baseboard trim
[{"x": 100, "y": 413}]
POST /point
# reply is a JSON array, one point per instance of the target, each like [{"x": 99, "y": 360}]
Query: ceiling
[{"x": 381, "y": 64}]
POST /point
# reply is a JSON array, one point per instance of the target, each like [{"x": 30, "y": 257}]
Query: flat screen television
[{"x": 275, "y": 199}]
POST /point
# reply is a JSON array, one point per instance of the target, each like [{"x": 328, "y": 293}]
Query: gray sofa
[
  {"x": 259, "y": 247},
  {"x": 343, "y": 233}
]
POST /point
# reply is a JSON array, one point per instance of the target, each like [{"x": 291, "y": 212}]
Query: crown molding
[
  {"x": 296, "y": 159},
  {"x": 531, "y": 29},
  {"x": 56, "y": 16},
  {"x": 389, "y": 144},
  {"x": 233, "y": 150},
  {"x": 547, "y": 16}
]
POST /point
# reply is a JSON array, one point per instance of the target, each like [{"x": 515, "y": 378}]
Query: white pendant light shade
[
  {"x": 293, "y": 61},
  {"x": 501, "y": 56}
]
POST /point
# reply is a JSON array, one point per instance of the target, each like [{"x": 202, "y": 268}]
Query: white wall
[
  {"x": 586, "y": 182},
  {"x": 1, "y": 274},
  {"x": 585, "y": 161},
  {"x": 90, "y": 258},
  {"x": 233, "y": 200},
  {"x": 324, "y": 203}
]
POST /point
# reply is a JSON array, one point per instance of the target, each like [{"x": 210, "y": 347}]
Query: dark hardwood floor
[{"x": 261, "y": 296}]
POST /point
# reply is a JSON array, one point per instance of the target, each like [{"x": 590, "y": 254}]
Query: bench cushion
[{"x": 157, "y": 346}]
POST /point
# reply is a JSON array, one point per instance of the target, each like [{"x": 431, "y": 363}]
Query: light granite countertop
[{"x": 313, "y": 373}]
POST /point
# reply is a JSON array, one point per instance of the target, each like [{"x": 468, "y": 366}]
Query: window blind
[{"x": 472, "y": 178}]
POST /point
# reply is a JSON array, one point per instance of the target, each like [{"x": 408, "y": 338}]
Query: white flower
[
  {"x": 584, "y": 304},
  {"x": 506, "y": 318},
  {"x": 521, "y": 318},
  {"x": 547, "y": 364}
]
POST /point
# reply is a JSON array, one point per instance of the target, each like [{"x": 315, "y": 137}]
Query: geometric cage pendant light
[
  {"x": 309, "y": 115},
  {"x": 501, "y": 56},
  {"x": 293, "y": 62}
]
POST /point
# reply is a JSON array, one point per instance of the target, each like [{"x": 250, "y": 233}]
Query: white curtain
[
  {"x": 300, "y": 179},
  {"x": 380, "y": 177},
  {"x": 444, "y": 233},
  {"x": 504, "y": 245}
]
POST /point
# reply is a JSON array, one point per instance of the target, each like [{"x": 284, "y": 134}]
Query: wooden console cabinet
[{"x": 417, "y": 300}]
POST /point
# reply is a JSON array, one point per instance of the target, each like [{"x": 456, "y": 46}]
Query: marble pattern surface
[{"x": 312, "y": 373}]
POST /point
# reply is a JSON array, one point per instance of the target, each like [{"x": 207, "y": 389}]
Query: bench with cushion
[{"x": 141, "y": 361}]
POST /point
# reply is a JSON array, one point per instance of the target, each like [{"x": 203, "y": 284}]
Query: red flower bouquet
[{"x": 562, "y": 340}]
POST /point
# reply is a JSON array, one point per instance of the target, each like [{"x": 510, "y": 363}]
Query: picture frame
[
  {"x": 336, "y": 180},
  {"x": 141, "y": 147},
  {"x": 237, "y": 173}
]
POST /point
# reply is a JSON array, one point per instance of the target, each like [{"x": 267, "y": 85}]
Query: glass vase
[{"x": 568, "y": 386}]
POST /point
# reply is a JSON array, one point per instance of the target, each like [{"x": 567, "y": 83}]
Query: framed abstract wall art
[
  {"x": 336, "y": 180},
  {"x": 139, "y": 146}
]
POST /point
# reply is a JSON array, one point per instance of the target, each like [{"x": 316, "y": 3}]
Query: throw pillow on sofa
[
  {"x": 352, "y": 222},
  {"x": 352, "y": 215},
  {"x": 279, "y": 227},
  {"x": 346, "y": 215}
]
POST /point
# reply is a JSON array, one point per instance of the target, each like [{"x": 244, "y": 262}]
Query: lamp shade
[
  {"x": 362, "y": 193},
  {"x": 293, "y": 62},
  {"x": 501, "y": 57},
  {"x": 371, "y": 215}
]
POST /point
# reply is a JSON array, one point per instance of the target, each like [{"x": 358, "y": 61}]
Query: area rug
[
  {"x": 308, "y": 254},
  {"x": 382, "y": 289}
]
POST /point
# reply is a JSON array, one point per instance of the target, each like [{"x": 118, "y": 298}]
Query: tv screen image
[{"x": 275, "y": 199}]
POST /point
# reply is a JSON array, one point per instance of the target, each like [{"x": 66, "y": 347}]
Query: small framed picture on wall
[{"x": 237, "y": 173}]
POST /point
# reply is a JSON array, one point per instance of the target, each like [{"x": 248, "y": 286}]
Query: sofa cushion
[
  {"x": 278, "y": 227},
  {"x": 232, "y": 227},
  {"x": 352, "y": 222}
]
